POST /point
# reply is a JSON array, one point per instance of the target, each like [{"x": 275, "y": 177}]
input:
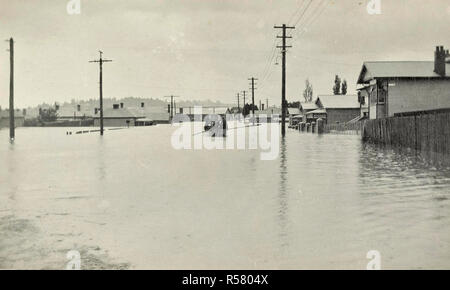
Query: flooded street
[{"x": 130, "y": 201}]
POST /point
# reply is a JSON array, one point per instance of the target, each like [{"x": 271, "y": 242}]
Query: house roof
[
  {"x": 338, "y": 102},
  {"x": 71, "y": 110},
  {"x": 294, "y": 111},
  {"x": 119, "y": 114},
  {"x": 398, "y": 69},
  {"x": 318, "y": 111},
  {"x": 308, "y": 106},
  {"x": 269, "y": 111},
  {"x": 5, "y": 113}
]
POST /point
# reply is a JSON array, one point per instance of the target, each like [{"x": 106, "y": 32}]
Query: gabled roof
[
  {"x": 294, "y": 111},
  {"x": 398, "y": 69},
  {"x": 338, "y": 102},
  {"x": 308, "y": 106}
]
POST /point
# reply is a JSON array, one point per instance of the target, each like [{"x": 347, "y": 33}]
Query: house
[
  {"x": 337, "y": 108},
  {"x": 295, "y": 116},
  {"x": 395, "y": 87},
  {"x": 306, "y": 107},
  {"x": 117, "y": 116},
  {"x": 75, "y": 112},
  {"x": 158, "y": 115},
  {"x": 313, "y": 115},
  {"x": 18, "y": 118}
]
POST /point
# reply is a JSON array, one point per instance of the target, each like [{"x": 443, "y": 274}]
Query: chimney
[
  {"x": 262, "y": 107},
  {"x": 121, "y": 105},
  {"x": 142, "y": 105},
  {"x": 115, "y": 106},
  {"x": 439, "y": 61},
  {"x": 78, "y": 108}
]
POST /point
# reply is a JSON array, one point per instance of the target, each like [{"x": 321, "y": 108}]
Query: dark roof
[{"x": 398, "y": 69}]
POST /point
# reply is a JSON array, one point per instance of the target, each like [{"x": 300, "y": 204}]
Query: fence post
[{"x": 320, "y": 126}]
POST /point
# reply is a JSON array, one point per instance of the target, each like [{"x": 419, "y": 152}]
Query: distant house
[
  {"x": 158, "y": 115},
  {"x": 117, "y": 117},
  {"x": 234, "y": 111},
  {"x": 338, "y": 108},
  {"x": 313, "y": 115},
  {"x": 294, "y": 116},
  {"x": 18, "y": 118},
  {"x": 395, "y": 87},
  {"x": 306, "y": 107},
  {"x": 75, "y": 112}
]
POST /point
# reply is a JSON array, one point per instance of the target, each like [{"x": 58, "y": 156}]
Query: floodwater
[{"x": 130, "y": 201}]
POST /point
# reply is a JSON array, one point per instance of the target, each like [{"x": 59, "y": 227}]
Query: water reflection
[{"x": 283, "y": 196}]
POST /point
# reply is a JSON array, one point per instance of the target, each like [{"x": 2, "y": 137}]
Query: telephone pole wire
[
  {"x": 283, "y": 75},
  {"x": 100, "y": 62}
]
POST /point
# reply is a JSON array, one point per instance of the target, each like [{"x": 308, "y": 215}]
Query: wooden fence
[
  {"x": 425, "y": 132},
  {"x": 344, "y": 128}
]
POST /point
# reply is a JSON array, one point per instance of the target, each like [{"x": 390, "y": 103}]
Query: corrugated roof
[
  {"x": 338, "y": 101},
  {"x": 308, "y": 106},
  {"x": 398, "y": 69}
]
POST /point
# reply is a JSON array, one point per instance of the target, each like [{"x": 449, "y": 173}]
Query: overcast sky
[{"x": 205, "y": 49}]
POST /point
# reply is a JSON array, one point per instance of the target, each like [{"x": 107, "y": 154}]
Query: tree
[
  {"x": 344, "y": 88},
  {"x": 337, "y": 85},
  {"x": 308, "y": 92},
  {"x": 248, "y": 109},
  {"x": 48, "y": 115},
  {"x": 294, "y": 105}
]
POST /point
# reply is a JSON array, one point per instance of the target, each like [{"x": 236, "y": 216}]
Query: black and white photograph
[{"x": 224, "y": 135}]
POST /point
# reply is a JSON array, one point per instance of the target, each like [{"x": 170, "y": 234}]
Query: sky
[{"x": 206, "y": 49}]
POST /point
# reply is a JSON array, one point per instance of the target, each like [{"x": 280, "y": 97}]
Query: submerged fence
[
  {"x": 425, "y": 131},
  {"x": 344, "y": 128}
]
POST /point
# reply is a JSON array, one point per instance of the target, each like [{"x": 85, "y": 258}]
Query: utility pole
[
  {"x": 243, "y": 108},
  {"x": 283, "y": 75},
  {"x": 239, "y": 106},
  {"x": 171, "y": 105},
  {"x": 100, "y": 62},
  {"x": 11, "y": 91},
  {"x": 253, "y": 94}
]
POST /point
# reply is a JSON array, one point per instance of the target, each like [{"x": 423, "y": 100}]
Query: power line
[
  {"x": 303, "y": 14},
  {"x": 296, "y": 11}
]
